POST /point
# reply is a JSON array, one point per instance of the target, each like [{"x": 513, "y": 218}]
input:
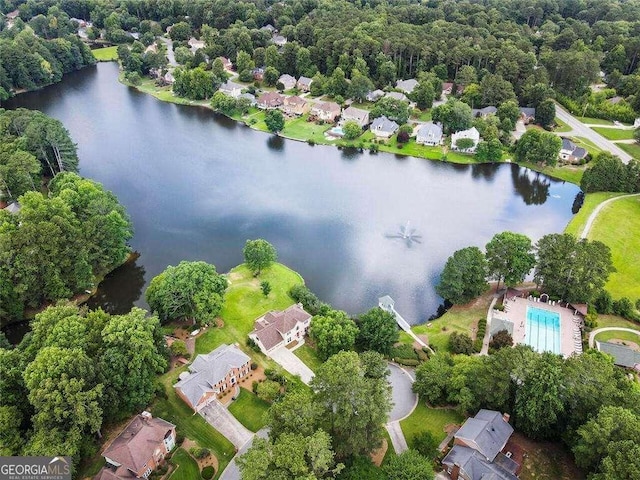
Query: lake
[{"x": 198, "y": 185}]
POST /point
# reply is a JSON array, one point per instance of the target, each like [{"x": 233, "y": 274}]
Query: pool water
[{"x": 543, "y": 330}]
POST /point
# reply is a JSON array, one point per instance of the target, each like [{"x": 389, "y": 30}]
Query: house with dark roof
[
  {"x": 623, "y": 356},
  {"x": 429, "y": 134},
  {"x": 479, "y": 450},
  {"x": 138, "y": 449},
  {"x": 304, "y": 84},
  {"x": 382, "y": 127},
  {"x": 279, "y": 328},
  {"x": 527, "y": 114},
  {"x": 358, "y": 115},
  {"x": 211, "y": 374},
  {"x": 407, "y": 86},
  {"x": 570, "y": 152},
  {"x": 270, "y": 100}
]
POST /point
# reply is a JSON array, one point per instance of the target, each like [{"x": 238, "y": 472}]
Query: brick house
[
  {"x": 280, "y": 328},
  {"x": 211, "y": 374},
  {"x": 139, "y": 448},
  {"x": 295, "y": 106}
]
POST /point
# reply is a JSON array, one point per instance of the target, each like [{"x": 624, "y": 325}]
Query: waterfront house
[
  {"x": 570, "y": 152},
  {"x": 138, "y": 449},
  {"x": 231, "y": 89},
  {"x": 304, "y": 84},
  {"x": 295, "y": 106},
  {"x": 280, "y": 328},
  {"x": 327, "y": 111},
  {"x": 288, "y": 81},
  {"x": 212, "y": 374},
  {"x": 270, "y": 100},
  {"x": 353, "y": 114},
  {"x": 382, "y": 127},
  {"x": 430, "y": 134},
  {"x": 374, "y": 95},
  {"x": 407, "y": 86},
  {"x": 471, "y": 134}
]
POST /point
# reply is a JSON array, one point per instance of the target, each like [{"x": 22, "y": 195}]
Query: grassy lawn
[
  {"x": 300, "y": 129},
  {"x": 424, "y": 116},
  {"x": 587, "y": 145},
  {"x": 615, "y": 321},
  {"x": 309, "y": 356},
  {"x": 626, "y": 336},
  {"x": 614, "y": 133},
  {"x": 459, "y": 318},
  {"x": 632, "y": 149},
  {"x": 187, "y": 467},
  {"x": 192, "y": 426},
  {"x": 618, "y": 226},
  {"x": 432, "y": 419},
  {"x": 106, "y": 54},
  {"x": 591, "y": 201},
  {"x": 561, "y": 126},
  {"x": 568, "y": 173},
  {"x": 249, "y": 410},
  {"x": 244, "y": 302},
  {"x": 595, "y": 121}
]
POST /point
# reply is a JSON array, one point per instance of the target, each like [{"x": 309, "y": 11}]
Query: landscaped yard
[
  {"x": 186, "y": 466},
  {"x": 300, "y": 129},
  {"x": 625, "y": 336},
  {"x": 432, "y": 419},
  {"x": 561, "y": 126},
  {"x": 568, "y": 173},
  {"x": 309, "y": 356},
  {"x": 632, "y": 149},
  {"x": 618, "y": 226},
  {"x": 614, "y": 133},
  {"x": 591, "y": 201},
  {"x": 616, "y": 321},
  {"x": 106, "y": 54},
  {"x": 249, "y": 410}
]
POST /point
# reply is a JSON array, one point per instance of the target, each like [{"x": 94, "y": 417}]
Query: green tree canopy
[
  {"x": 274, "y": 120},
  {"x": 454, "y": 115},
  {"x": 538, "y": 147},
  {"x": 409, "y": 465},
  {"x": 333, "y": 332},
  {"x": 393, "y": 109},
  {"x": 464, "y": 276},
  {"x": 378, "y": 331},
  {"x": 510, "y": 257},
  {"x": 259, "y": 254}
]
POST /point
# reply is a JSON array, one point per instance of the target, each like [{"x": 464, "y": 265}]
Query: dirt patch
[
  {"x": 219, "y": 322},
  {"x": 626, "y": 343},
  {"x": 234, "y": 276},
  {"x": 378, "y": 455},
  {"x": 546, "y": 460}
]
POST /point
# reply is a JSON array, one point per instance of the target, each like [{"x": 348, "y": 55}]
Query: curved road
[
  {"x": 579, "y": 129},
  {"x": 404, "y": 403},
  {"x": 592, "y": 335},
  {"x": 594, "y": 214}
]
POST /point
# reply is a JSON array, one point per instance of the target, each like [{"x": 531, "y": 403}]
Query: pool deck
[{"x": 516, "y": 313}]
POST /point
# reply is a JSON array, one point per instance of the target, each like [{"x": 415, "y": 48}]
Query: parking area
[{"x": 292, "y": 364}]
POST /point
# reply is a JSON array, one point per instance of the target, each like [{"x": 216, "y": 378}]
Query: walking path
[
  {"x": 487, "y": 334},
  {"x": 397, "y": 437},
  {"x": 387, "y": 304},
  {"x": 224, "y": 422},
  {"x": 594, "y": 214},
  {"x": 592, "y": 335}
]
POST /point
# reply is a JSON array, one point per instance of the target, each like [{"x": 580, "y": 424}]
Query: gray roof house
[
  {"x": 374, "y": 95},
  {"x": 211, "y": 374},
  {"x": 250, "y": 97},
  {"x": 279, "y": 40},
  {"x": 570, "y": 152},
  {"x": 231, "y": 89},
  {"x": 429, "y": 134},
  {"x": 407, "y": 86},
  {"x": 383, "y": 127},
  {"x": 397, "y": 96},
  {"x": 361, "y": 117},
  {"x": 13, "y": 207},
  {"x": 483, "y": 112},
  {"x": 527, "y": 114},
  {"x": 622, "y": 356},
  {"x": 304, "y": 83},
  {"x": 477, "y": 453},
  {"x": 288, "y": 81}
]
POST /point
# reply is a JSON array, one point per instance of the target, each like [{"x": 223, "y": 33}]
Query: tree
[
  {"x": 409, "y": 465},
  {"x": 538, "y": 147},
  {"x": 423, "y": 95},
  {"x": 607, "y": 174},
  {"x": 509, "y": 257},
  {"x": 464, "y": 276},
  {"x": 461, "y": 343},
  {"x": 10, "y": 436},
  {"x": 265, "y": 286},
  {"x": 179, "y": 349},
  {"x": 258, "y": 255},
  {"x": 432, "y": 378},
  {"x": 426, "y": 444},
  {"x": 353, "y": 406},
  {"x": 393, "y": 109},
  {"x": 454, "y": 115},
  {"x": 500, "y": 340},
  {"x": 274, "y": 120},
  {"x": 489, "y": 151},
  {"x": 359, "y": 87},
  {"x": 464, "y": 143},
  {"x": 295, "y": 412},
  {"x": 223, "y": 103},
  {"x": 191, "y": 290},
  {"x": 495, "y": 90},
  {"x": 546, "y": 113},
  {"x": 337, "y": 83},
  {"x": 180, "y": 32},
  {"x": 351, "y": 130},
  {"x": 333, "y": 332},
  {"x": 244, "y": 62},
  {"x": 378, "y": 331},
  {"x": 268, "y": 390},
  {"x": 509, "y": 110}
]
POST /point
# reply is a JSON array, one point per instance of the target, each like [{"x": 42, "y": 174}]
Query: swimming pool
[{"x": 543, "y": 330}]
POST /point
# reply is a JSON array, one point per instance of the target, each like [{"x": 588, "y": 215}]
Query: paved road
[
  {"x": 404, "y": 400},
  {"x": 292, "y": 364},
  {"x": 221, "y": 419},
  {"x": 232, "y": 472},
  {"x": 579, "y": 129},
  {"x": 397, "y": 437},
  {"x": 594, "y": 214},
  {"x": 592, "y": 335}
]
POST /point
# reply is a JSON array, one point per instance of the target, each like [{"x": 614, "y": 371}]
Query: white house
[
  {"x": 280, "y": 328},
  {"x": 570, "y": 152},
  {"x": 471, "y": 134},
  {"x": 429, "y": 134},
  {"x": 231, "y": 89}
]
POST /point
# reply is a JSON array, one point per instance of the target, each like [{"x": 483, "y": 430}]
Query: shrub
[
  {"x": 603, "y": 303},
  {"x": 403, "y": 351},
  {"x": 461, "y": 343},
  {"x": 208, "y": 472},
  {"x": 179, "y": 349},
  {"x": 268, "y": 390},
  {"x": 623, "y": 307},
  {"x": 275, "y": 376},
  {"x": 254, "y": 386},
  {"x": 500, "y": 340},
  {"x": 310, "y": 302},
  {"x": 254, "y": 365},
  {"x": 199, "y": 452},
  {"x": 408, "y": 362},
  {"x": 426, "y": 444},
  {"x": 311, "y": 141},
  {"x": 591, "y": 320},
  {"x": 179, "y": 438},
  {"x": 251, "y": 343}
]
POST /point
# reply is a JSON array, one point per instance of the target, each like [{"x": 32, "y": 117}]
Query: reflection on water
[{"x": 197, "y": 186}]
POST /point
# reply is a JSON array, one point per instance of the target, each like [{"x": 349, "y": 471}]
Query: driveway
[
  {"x": 579, "y": 129},
  {"x": 232, "y": 472},
  {"x": 404, "y": 402},
  {"x": 292, "y": 364},
  {"x": 170, "y": 55},
  {"x": 221, "y": 419}
]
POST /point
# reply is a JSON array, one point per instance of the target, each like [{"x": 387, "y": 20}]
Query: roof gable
[
  {"x": 272, "y": 327},
  {"x": 488, "y": 431}
]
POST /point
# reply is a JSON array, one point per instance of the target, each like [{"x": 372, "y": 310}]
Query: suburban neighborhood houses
[{"x": 280, "y": 328}]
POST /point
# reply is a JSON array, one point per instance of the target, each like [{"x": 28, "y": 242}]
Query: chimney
[
  {"x": 506, "y": 417},
  {"x": 146, "y": 416},
  {"x": 455, "y": 472}
]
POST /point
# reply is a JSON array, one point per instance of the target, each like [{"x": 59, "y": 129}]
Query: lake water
[{"x": 198, "y": 185}]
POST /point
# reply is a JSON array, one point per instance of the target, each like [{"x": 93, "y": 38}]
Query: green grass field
[
  {"x": 244, "y": 303},
  {"x": 568, "y": 173},
  {"x": 591, "y": 201},
  {"x": 587, "y": 145},
  {"x": 249, "y": 410},
  {"x": 594, "y": 121},
  {"x": 626, "y": 336},
  {"x": 309, "y": 356},
  {"x": 433, "y": 420},
  {"x": 616, "y": 321},
  {"x": 618, "y": 226},
  {"x": 614, "y": 133},
  {"x": 300, "y": 129},
  {"x": 632, "y": 149},
  {"x": 186, "y": 466},
  {"x": 561, "y": 126},
  {"x": 106, "y": 54}
]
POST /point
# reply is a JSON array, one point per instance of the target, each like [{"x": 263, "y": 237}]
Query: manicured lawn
[
  {"x": 591, "y": 201},
  {"x": 187, "y": 467},
  {"x": 244, "y": 303},
  {"x": 249, "y": 410},
  {"x": 568, "y": 173},
  {"x": 192, "y": 426},
  {"x": 626, "y": 336},
  {"x": 616, "y": 321},
  {"x": 106, "y": 54},
  {"x": 459, "y": 318},
  {"x": 300, "y": 129},
  {"x": 618, "y": 226},
  {"x": 587, "y": 145},
  {"x": 632, "y": 149},
  {"x": 614, "y": 133},
  {"x": 432, "y": 419},
  {"x": 561, "y": 126},
  {"x": 594, "y": 121},
  {"x": 424, "y": 116},
  {"x": 309, "y": 356}
]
